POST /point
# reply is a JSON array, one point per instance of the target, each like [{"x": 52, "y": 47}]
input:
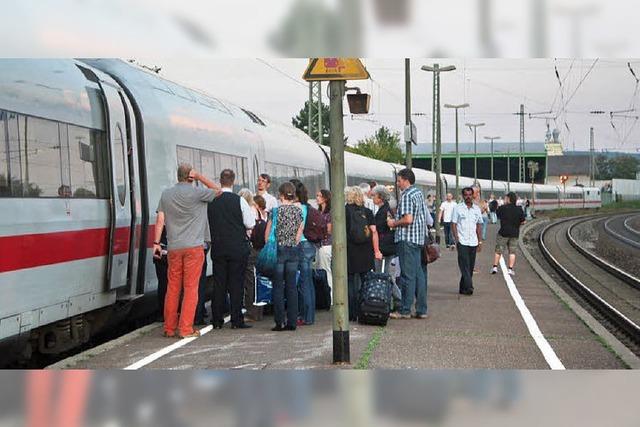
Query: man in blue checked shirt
[
  {"x": 466, "y": 224},
  {"x": 410, "y": 227}
]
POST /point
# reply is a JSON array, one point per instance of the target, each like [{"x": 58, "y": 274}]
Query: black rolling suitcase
[
  {"x": 323, "y": 291},
  {"x": 375, "y": 299}
]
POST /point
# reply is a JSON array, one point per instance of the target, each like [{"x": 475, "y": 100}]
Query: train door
[
  {"x": 136, "y": 234},
  {"x": 122, "y": 212}
]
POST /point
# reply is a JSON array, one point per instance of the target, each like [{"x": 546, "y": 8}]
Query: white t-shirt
[
  {"x": 447, "y": 210},
  {"x": 271, "y": 202}
]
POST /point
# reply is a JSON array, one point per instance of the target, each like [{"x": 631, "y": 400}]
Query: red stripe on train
[{"x": 36, "y": 250}]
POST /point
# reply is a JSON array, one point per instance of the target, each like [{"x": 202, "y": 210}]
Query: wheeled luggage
[{"x": 375, "y": 299}]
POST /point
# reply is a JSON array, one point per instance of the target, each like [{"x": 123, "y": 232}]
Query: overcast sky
[{"x": 495, "y": 88}]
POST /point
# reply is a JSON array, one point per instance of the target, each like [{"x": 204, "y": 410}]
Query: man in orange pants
[{"x": 183, "y": 211}]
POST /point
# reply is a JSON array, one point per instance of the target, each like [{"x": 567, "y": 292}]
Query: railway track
[
  {"x": 621, "y": 228},
  {"x": 612, "y": 292}
]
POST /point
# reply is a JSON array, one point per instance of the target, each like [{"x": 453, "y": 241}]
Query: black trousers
[
  {"x": 466, "y": 262},
  {"x": 201, "y": 311},
  {"x": 228, "y": 277},
  {"x": 161, "y": 273}
]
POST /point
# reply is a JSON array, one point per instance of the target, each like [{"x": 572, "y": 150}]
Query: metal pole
[
  {"x": 438, "y": 141},
  {"x": 508, "y": 169},
  {"x": 320, "y": 113},
  {"x": 592, "y": 169},
  {"x": 310, "y": 110},
  {"x": 407, "y": 108},
  {"x": 521, "y": 165},
  {"x": 475, "y": 154},
  {"x": 457, "y": 157},
  {"x": 492, "y": 165},
  {"x": 341, "y": 353}
]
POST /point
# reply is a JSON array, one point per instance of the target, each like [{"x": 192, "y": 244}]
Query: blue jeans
[
  {"x": 448, "y": 236},
  {"x": 485, "y": 223},
  {"x": 412, "y": 279},
  {"x": 285, "y": 279},
  {"x": 307, "y": 296}
]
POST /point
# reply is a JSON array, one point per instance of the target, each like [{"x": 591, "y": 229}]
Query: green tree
[
  {"x": 383, "y": 145},
  {"x": 623, "y": 167},
  {"x": 301, "y": 121}
]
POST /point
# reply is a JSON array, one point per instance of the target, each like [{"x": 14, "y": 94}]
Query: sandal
[
  {"x": 168, "y": 335},
  {"x": 193, "y": 334}
]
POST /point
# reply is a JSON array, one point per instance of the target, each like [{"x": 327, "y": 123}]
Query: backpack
[
  {"x": 257, "y": 233},
  {"x": 315, "y": 227},
  {"x": 359, "y": 231}
]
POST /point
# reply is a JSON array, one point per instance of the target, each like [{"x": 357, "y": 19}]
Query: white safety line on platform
[
  {"x": 163, "y": 352},
  {"x": 549, "y": 355}
]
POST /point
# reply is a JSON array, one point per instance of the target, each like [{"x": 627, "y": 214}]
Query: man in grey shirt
[{"x": 183, "y": 210}]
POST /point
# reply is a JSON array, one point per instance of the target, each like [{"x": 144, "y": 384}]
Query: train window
[
  {"x": 86, "y": 159},
  {"x": 5, "y": 190},
  {"x": 119, "y": 157},
  {"x": 43, "y": 157}
]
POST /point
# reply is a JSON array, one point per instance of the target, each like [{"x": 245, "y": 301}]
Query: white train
[{"x": 87, "y": 146}]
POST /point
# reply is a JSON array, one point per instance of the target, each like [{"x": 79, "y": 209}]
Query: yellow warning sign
[{"x": 335, "y": 69}]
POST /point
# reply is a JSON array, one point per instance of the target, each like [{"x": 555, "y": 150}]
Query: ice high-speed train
[{"x": 87, "y": 146}]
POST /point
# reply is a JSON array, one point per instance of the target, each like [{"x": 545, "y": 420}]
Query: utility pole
[
  {"x": 457, "y": 107},
  {"x": 407, "y": 108},
  {"x": 492, "y": 138},
  {"x": 508, "y": 169},
  {"x": 341, "y": 352},
  {"x": 592, "y": 164},
  {"x": 533, "y": 169},
  {"x": 314, "y": 110},
  {"x": 474, "y": 128},
  {"x": 521, "y": 161},
  {"x": 437, "y": 140}
]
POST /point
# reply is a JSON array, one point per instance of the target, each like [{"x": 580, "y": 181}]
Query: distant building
[
  {"x": 505, "y": 159},
  {"x": 575, "y": 166}
]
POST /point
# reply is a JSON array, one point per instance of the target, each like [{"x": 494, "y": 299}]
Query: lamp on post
[
  {"x": 492, "y": 138},
  {"x": 457, "y": 107},
  {"x": 474, "y": 128},
  {"x": 436, "y": 70}
]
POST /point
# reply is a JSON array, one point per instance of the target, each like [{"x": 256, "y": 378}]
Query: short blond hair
[
  {"x": 354, "y": 195},
  {"x": 183, "y": 172},
  {"x": 246, "y": 194}
]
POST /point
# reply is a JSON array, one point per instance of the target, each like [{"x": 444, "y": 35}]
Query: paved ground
[{"x": 481, "y": 331}]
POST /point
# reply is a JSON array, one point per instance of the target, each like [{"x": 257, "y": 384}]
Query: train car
[
  {"x": 571, "y": 197},
  {"x": 546, "y": 197}
]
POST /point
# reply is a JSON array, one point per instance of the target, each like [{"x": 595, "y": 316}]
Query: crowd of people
[{"x": 240, "y": 230}]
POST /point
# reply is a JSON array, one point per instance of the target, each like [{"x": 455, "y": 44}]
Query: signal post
[{"x": 338, "y": 71}]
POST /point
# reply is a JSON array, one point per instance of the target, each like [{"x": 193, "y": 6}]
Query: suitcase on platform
[
  {"x": 323, "y": 291},
  {"x": 375, "y": 299}
]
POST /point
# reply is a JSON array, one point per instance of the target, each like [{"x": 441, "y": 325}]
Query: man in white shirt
[
  {"x": 264, "y": 182},
  {"x": 466, "y": 223},
  {"x": 444, "y": 217}
]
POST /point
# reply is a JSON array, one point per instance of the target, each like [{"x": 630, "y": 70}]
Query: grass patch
[{"x": 365, "y": 359}]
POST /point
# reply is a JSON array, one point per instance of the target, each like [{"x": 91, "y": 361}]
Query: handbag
[
  {"x": 268, "y": 256},
  {"x": 431, "y": 250}
]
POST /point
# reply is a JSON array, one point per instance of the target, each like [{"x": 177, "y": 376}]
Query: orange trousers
[
  {"x": 51, "y": 403},
  {"x": 185, "y": 267}
]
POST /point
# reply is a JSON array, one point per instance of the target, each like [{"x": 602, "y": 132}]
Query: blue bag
[
  {"x": 264, "y": 289},
  {"x": 268, "y": 256}
]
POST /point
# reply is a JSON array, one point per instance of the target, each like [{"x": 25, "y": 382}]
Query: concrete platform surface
[{"x": 484, "y": 330}]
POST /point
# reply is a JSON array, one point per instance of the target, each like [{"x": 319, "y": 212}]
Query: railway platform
[{"x": 509, "y": 323}]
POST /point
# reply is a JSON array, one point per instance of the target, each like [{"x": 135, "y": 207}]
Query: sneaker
[
  {"x": 494, "y": 270},
  {"x": 511, "y": 272},
  {"x": 396, "y": 315},
  {"x": 421, "y": 316}
]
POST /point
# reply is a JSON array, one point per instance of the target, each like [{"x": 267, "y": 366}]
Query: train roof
[{"x": 53, "y": 88}]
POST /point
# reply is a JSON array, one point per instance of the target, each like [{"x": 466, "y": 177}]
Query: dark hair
[
  {"x": 326, "y": 195},
  {"x": 227, "y": 177},
  {"x": 287, "y": 190},
  {"x": 301, "y": 191},
  {"x": 408, "y": 175},
  {"x": 513, "y": 198},
  {"x": 372, "y": 184},
  {"x": 266, "y": 177},
  {"x": 260, "y": 201},
  {"x": 467, "y": 189}
]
